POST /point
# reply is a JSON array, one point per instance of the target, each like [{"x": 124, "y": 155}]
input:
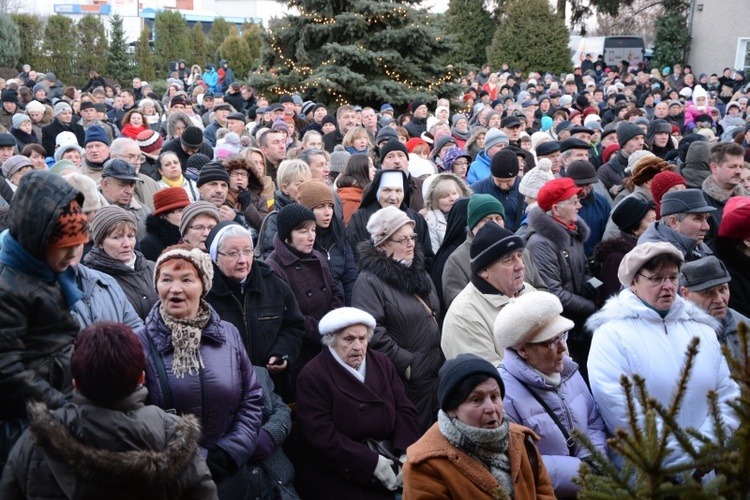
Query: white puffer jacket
[{"x": 631, "y": 338}]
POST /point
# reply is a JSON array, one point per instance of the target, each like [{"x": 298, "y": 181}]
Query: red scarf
[{"x": 130, "y": 131}]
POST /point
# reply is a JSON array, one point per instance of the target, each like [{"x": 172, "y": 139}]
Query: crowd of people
[{"x": 204, "y": 294}]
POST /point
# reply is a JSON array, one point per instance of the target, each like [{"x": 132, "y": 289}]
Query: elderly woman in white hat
[
  {"x": 345, "y": 396},
  {"x": 646, "y": 330},
  {"x": 544, "y": 389}
]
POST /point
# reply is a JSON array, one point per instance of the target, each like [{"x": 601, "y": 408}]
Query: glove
[
  {"x": 263, "y": 447},
  {"x": 245, "y": 198},
  {"x": 588, "y": 291},
  {"x": 220, "y": 464},
  {"x": 384, "y": 473},
  {"x": 400, "y": 475}
]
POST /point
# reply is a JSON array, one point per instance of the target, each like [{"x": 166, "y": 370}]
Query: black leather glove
[
  {"x": 245, "y": 198},
  {"x": 221, "y": 464}
]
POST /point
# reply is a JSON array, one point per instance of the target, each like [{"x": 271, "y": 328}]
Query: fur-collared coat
[
  {"x": 406, "y": 331},
  {"x": 559, "y": 254},
  {"x": 437, "y": 470},
  {"x": 87, "y": 451}
]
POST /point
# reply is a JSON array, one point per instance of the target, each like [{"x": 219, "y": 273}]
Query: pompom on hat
[
  {"x": 344, "y": 317},
  {"x": 530, "y": 318}
]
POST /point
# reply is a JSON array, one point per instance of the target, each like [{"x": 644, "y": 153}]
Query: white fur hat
[
  {"x": 533, "y": 317},
  {"x": 534, "y": 179},
  {"x": 340, "y": 318}
]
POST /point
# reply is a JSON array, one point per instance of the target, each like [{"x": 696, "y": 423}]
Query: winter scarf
[
  {"x": 464, "y": 136},
  {"x": 186, "y": 339},
  {"x": 178, "y": 183},
  {"x": 15, "y": 256},
  {"x": 488, "y": 446},
  {"x": 24, "y": 137},
  {"x": 132, "y": 132}
]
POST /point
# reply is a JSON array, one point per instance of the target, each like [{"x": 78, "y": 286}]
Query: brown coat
[{"x": 436, "y": 469}]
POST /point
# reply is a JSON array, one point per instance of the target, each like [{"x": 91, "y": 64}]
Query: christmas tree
[{"x": 356, "y": 52}]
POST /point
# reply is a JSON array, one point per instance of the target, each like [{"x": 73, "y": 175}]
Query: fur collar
[
  {"x": 410, "y": 280},
  {"x": 540, "y": 222},
  {"x": 710, "y": 187},
  {"x": 91, "y": 463},
  {"x": 164, "y": 231}
]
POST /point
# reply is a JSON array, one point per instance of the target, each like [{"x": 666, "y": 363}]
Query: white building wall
[{"x": 720, "y": 34}]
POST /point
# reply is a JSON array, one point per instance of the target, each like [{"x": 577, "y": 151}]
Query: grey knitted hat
[
  {"x": 106, "y": 218},
  {"x": 339, "y": 158},
  {"x": 195, "y": 209}
]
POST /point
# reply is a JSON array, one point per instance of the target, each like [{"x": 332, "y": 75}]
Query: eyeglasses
[
  {"x": 406, "y": 239},
  {"x": 238, "y": 173},
  {"x": 135, "y": 159},
  {"x": 554, "y": 343},
  {"x": 235, "y": 254},
  {"x": 660, "y": 280},
  {"x": 200, "y": 228}
]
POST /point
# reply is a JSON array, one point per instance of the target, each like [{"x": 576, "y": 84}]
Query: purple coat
[
  {"x": 225, "y": 395},
  {"x": 317, "y": 293},
  {"x": 336, "y": 413},
  {"x": 572, "y": 403}
]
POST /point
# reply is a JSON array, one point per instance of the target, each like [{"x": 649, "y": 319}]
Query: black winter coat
[
  {"x": 406, "y": 331},
  {"x": 340, "y": 259},
  {"x": 49, "y": 134},
  {"x": 137, "y": 283},
  {"x": 738, "y": 265},
  {"x": 160, "y": 234},
  {"x": 266, "y": 314}
]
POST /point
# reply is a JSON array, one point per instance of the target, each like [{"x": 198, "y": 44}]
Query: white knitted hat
[{"x": 534, "y": 179}]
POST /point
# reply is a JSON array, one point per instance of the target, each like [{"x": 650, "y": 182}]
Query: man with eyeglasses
[
  {"x": 497, "y": 276},
  {"x": 556, "y": 238},
  {"x": 127, "y": 149},
  {"x": 684, "y": 223}
]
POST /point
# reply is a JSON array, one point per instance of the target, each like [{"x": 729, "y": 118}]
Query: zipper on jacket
[
  {"x": 244, "y": 316},
  {"x": 664, "y": 323}
]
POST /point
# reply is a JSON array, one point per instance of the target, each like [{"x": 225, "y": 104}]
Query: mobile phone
[{"x": 281, "y": 360}]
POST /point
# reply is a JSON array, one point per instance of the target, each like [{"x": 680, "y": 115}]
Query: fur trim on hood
[
  {"x": 98, "y": 464},
  {"x": 410, "y": 280}
]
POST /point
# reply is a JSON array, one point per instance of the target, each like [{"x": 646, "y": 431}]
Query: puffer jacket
[
  {"x": 265, "y": 311},
  {"x": 37, "y": 331},
  {"x": 312, "y": 284},
  {"x": 690, "y": 248},
  {"x": 437, "y": 470},
  {"x": 457, "y": 271},
  {"x": 87, "y": 451},
  {"x": 631, "y": 338},
  {"x": 406, "y": 331},
  {"x": 103, "y": 300},
  {"x": 571, "y": 402},
  {"x": 136, "y": 282},
  {"x": 277, "y": 422},
  {"x": 356, "y": 231},
  {"x": 558, "y": 253},
  {"x": 479, "y": 169},
  {"x": 160, "y": 234},
  {"x": 224, "y": 395}
]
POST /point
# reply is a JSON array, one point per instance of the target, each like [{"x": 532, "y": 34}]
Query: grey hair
[
  {"x": 679, "y": 217},
  {"x": 234, "y": 231},
  {"x": 117, "y": 148},
  {"x": 330, "y": 338},
  {"x": 307, "y": 153}
]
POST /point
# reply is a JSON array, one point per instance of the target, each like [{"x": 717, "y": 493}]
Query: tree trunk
[{"x": 561, "y": 9}]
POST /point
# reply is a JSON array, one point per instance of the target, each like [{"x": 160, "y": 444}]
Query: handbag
[
  {"x": 281, "y": 491},
  {"x": 384, "y": 447}
]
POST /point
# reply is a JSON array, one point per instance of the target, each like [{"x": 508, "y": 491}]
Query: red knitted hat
[
  {"x": 663, "y": 182},
  {"x": 168, "y": 199},
  {"x": 735, "y": 222},
  {"x": 149, "y": 141},
  {"x": 609, "y": 151},
  {"x": 556, "y": 191}
]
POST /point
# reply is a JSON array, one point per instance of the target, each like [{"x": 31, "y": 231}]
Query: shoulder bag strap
[
  {"x": 568, "y": 438},
  {"x": 162, "y": 373},
  {"x": 429, "y": 310}
]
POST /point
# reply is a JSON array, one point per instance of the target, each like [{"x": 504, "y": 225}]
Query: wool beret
[
  {"x": 195, "y": 209},
  {"x": 61, "y": 150},
  {"x": 390, "y": 146},
  {"x": 313, "y": 193},
  {"x": 638, "y": 256},
  {"x": 456, "y": 370},
  {"x": 385, "y": 223},
  {"x": 106, "y": 218},
  {"x": 555, "y": 191},
  {"x": 735, "y": 221},
  {"x": 490, "y": 244},
  {"x": 344, "y": 317},
  {"x": 629, "y": 213},
  {"x": 530, "y": 318},
  {"x": 212, "y": 171},
  {"x": 482, "y": 205},
  {"x": 290, "y": 217}
]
